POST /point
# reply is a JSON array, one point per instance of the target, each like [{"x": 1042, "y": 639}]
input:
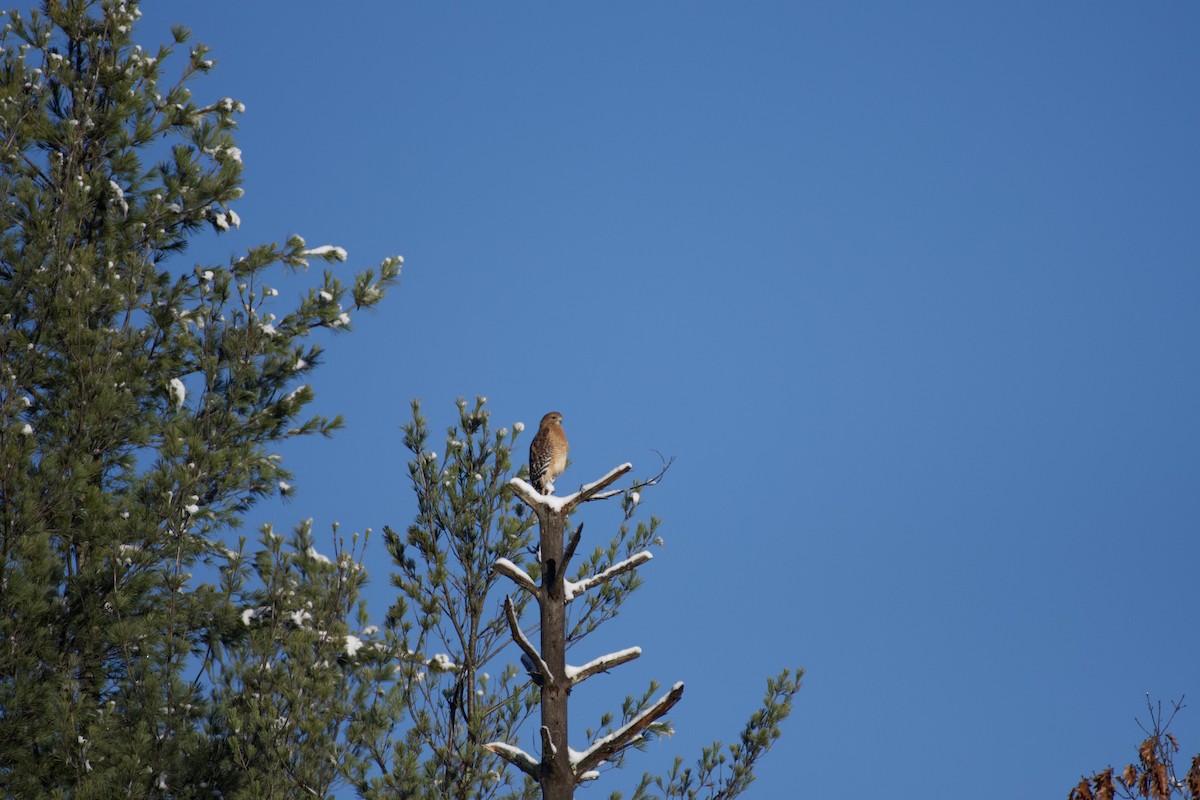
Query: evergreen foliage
[
  {"x": 437, "y": 698},
  {"x": 142, "y": 403},
  {"x": 723, "y": 775}
]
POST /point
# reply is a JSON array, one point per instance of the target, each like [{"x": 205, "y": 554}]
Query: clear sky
[{"x": 911, "y": 291}]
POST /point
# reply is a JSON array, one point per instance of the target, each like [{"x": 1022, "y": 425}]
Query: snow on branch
[
  {"x": 548, "y": 748},
  {"x": 517, "y": 757},
  {"x": 535, "y": 499},
  {"x": 602, "y": 664},
  {"x": 326, "y": 251},
  {"x": 532, "y": 497},
  {"x": 565, "y": 504},
  {"x": 572, "y": 589},
  {"x": 534, "y": 656},
  {"x": 519, "y": 576},
  {"x": 604, "y": 748},
  {"x": 588, "y": 491},
  {"x": 639, "y": 485}
]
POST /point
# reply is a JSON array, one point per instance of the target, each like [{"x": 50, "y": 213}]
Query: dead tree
[{"x": 561, "y": 768}]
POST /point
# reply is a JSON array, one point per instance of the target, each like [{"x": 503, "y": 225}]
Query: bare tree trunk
[
  {"x": 554, "y": 772},
  {"x": 558, "y": 781}
]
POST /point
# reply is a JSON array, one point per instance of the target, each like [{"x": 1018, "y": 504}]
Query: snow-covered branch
[
  {"x": 565, "y": 504},
  {"x": 604, "y": 748},
  {"x": 590, "y": 490},
  {"x": 572, "y": 589},
  {"x": 548, "y": 748},
  {"x": 517, "y": 757},
  {"x": 519, "y": 576},
  {"x": 602, "y": 664},
  {"x": 522, "y": 489},
  {"x": 643, "y": 484},
  {"x": 535, "y": 499},
  {"x": 534, "y": 656}
]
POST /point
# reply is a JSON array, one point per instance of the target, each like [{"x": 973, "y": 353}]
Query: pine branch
[
  {"x": 518, "y": 575},
  {"x": 566, "y": 504},
  {"x": 572, "y": 589},
  {"x": 760, "y": 733},
  {"x": 569, "y": 553},
  {"x": 517, "y": 757},
  {"x": 605, "y": 748},
  {"x": 641, "y": 485},
  {"x": 589, "y": 491},
  {"x": 534, "y": 656},
  {"x": 527, "y": 493},
  {"x": 602, "y": 664}
]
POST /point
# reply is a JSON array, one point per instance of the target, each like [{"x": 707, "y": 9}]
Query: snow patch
[
  {"x": 299, "y": 617},
  {"x": 312, "y": 553},
  {"x": 251, "y": 614},
  {"x": 177, "y": 392},
  {"x": 442, "y": 662},
  {"x": 338, "y": 253}
]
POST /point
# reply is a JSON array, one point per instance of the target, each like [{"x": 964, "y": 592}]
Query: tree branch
[
  {"x": 518, "y": 575},
  {"x": 602, "y": 664},
  {"x": 667, "y": 462},
  {"x": 524, "y": 643},
  {"x": 605, "y": 748},
  {"x": 588, "y": 491},
  {"x": 566, "y": 504},
  {"x": 571, "y": 545},
  {"x": 517, "y": 757},
  {"x": 548, "y": 748},
  {"x": 572, "y": 589},
  {"x": 523, "y": 490}
]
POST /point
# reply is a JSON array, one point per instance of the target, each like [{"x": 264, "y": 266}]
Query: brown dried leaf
[
  {"x": 1161, "y": 788},
  {"x": 1081, "y": 792},
  {"x": 1143, "y": 784},
  {"x": 1146, "y": 751},
  {"x": 1193, "y": 779}
]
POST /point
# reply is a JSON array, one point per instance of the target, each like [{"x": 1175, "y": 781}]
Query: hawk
[{"x": 547, "y": 453}]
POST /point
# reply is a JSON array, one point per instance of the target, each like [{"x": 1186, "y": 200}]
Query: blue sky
[{"x": 910, "y": 290}]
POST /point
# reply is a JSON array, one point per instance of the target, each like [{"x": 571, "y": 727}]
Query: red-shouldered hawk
[{"x": 547, "y": 453}]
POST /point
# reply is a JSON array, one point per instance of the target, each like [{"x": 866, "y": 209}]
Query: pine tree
[
  {"x": 436, "y": 698},
  {"x": 140, "y": 399},
  {"x": 142, "y": 402},
  {"x": 437, "y": 724}
]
